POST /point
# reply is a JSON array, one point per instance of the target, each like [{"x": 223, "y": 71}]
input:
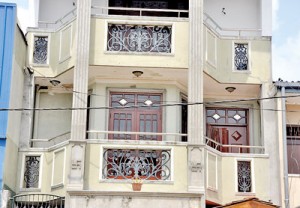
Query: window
[
  {"x": 241, "y": 57},
  {"x": 40, "y": 53},
  {"x": 31, "y": 173},
  {"x": 244, "y": 176},
  {"x": 293, "y": 149},
  {"x": 135, "y": 112},
  {"x": 227, "y": 126},
  {"x": 131, "y": 163},
  {"x": 139, "y": 38}
]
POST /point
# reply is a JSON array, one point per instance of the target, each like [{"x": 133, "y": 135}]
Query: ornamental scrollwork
[
  {"x": 40, "y": 53},
  {"x": 241, "y": 56},
  {"x": 244, "y": 176},
  {"x": 32, "y": 170},
  {"x": 139, "y": 38},
  {"x": 144, "y": 164}
]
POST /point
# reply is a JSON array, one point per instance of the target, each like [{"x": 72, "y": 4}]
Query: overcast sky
[{"x": 286, "y": 35}]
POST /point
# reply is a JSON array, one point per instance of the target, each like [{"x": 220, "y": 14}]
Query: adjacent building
[
  {"x": 12, "y": 60},
  {"x": 288, "y": 130},
  {"x": 167, "y": 94}
]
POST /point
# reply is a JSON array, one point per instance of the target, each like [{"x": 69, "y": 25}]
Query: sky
[{"x": 285, "y": 40}]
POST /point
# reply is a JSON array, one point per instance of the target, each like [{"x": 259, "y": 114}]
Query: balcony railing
[
  {"x": 37, "y": 201},
  {"x": 136, "y": 135},
  {"x": 179, "y": 13},
  {"x": 139, "y": 38},
  {"x": 70, "y": 16},
  {"x": 232, "y": 148},
  {"x": 145, "y": 164},
  {"x": 51, "y": 141},
  {"x": 229, "y": 32}
]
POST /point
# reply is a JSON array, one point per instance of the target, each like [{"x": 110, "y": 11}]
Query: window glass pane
[
  {"x": 232, "y": 121},
  {"x": 242, "y": 121},
  {"x": 210, "y": 120},
  {"x": 231, "y": 113},
  {"x": 221, "y": 113},
  {"x": 148, "y": 126},
  {"x": 210, "y": 112}
]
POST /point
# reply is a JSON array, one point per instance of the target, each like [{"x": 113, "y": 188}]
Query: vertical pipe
[{"x": 285, "y": 161}]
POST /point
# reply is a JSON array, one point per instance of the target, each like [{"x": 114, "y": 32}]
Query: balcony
[
  {"x": 37, "y": 201},
  {"x": 109, "y": 166}
]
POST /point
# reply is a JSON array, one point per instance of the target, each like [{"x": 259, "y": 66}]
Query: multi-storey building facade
[
  {"x": 166, "y": 94},
  {"x": 288, "y": 131},
  {"x": 12, "y": 61}
]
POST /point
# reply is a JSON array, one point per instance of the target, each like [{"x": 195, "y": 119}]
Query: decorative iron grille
[
  {"x": 32, "y": 171},
  {"x": 150, "y": 4},
  {"x": 40, "y": 53},
  {"x": 138, "y": 38},
  {"x": 37, "y": 201},
  {"x": 241, "y": 56},
  {"x": 244, "y": 176},
  {"x": 144, "y": 164}
]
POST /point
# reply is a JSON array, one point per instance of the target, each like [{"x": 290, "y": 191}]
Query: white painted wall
[
  {"x": 49, "y": 124},
  {"x": 239, "y": 13},
  {"x": 266, "y": 17},
  {"x": 54, "y": 9}
]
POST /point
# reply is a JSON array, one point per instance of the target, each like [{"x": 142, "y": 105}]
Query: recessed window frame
[
  {"x": 252, "y": 192},
  {"x": 290, "y": 138},
  {"x": 136, "y": 93},
  {"x": 48, "y": 36},
  {"x": 234, "y": 69},
  {"x": 22, "y": 188},
  {"x": 143, "y": 147},
  {"x": 146, "y": 23}
]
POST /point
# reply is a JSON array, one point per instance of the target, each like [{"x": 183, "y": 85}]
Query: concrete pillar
[
  {"x": 270, "y": 140},
  {"x": 195, "y": 77},
  {"x": 195, "y": 94},
  {"x": 78, "y": 126},
  {"x": 27, "y": 116},
  {"x": 5, "y": 198}
]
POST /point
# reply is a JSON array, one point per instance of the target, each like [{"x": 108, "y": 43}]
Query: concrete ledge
[{"x": 135, "y": 194}]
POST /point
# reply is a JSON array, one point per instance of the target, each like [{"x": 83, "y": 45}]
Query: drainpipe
[{"x": 285, "y": 162}]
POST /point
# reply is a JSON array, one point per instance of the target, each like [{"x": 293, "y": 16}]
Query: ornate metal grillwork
[
  {"x": 241, "y": 56},
  {"x": 40, "y": 53},
  {"x": 32, "y": 171},
  {"x": 150, "y": 4},
  {"x": 138, "y": 38},
  {"x": 37, "y": 201},
  {"x": 244, "y": 176},
  {"x": 144, "y": 164}
]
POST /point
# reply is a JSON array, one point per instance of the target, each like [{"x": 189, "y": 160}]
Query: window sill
[
  {"x": 129, "y": 181},
  {"x": 245, "y": 194},
  {"x": 30, "y": 189}
]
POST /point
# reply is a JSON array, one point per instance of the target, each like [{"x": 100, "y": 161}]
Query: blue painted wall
[{"x": 7, "y": 34}]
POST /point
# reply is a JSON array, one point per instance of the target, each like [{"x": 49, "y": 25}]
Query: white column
[
  {"x": 195, "y": 95},
  {"x": 78, "y": 126},
  {"x": 195, "y": 82}
]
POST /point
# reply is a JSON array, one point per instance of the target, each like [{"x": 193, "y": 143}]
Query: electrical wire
[{"x": 157, "y": 105}]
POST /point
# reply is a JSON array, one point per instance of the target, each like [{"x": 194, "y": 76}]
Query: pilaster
[
  {"x": 80, "y": 88},
  {"x": 195, "y": 95},
  {"x": 195, "y": 82}
]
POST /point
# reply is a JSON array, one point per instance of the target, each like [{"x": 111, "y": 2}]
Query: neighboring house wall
[
  {"x": 12, "y": 61},
  {"x": 7, "y": 27}
]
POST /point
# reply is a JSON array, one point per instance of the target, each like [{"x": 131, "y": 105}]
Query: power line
[{"x": 156, "y": 105}]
